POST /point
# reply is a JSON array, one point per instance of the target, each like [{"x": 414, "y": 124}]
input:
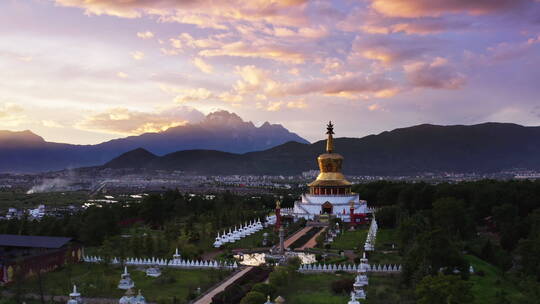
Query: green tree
[
  {"x": 387, "y": 216},
  {"x": 265, "y": 289},
  {"x": 149, "y": 247},
  {"x": 450, "y": 214},
  {"x": 443, "y": 289},
  {"x": 253, "y": 297}
]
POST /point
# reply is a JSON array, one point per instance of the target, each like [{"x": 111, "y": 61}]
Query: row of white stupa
[
  {"x": 371, "y": 236},
  {"x": 306, "y": 268},
  {"x": 165, "y": 263},
  {"x": 244, "y": 230},
  {"x": 360, "y": 282}
]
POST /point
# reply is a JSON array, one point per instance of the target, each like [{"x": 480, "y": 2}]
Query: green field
[
  {"x": 95, "y": 280},
  {"x": 384, "y": 289},
  {"x": 350, "y": 240},
  {"x": 487, "y": 287},
  {"x": 385, "y": 239},
  {"x": 378, "y": 257}
]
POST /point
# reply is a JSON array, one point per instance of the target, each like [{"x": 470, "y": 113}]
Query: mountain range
[
  {"x": 27, "y": 152},
  {"x": 482, "y": 148}
]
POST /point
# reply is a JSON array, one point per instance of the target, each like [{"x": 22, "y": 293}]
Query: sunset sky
[{"x": 85, "y": 71}]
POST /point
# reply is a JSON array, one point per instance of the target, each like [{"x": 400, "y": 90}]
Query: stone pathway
[
  {"x": 296, "y": 236},
  {"x": 207, "y": 299},
  {"x": 313, "y": 241}
]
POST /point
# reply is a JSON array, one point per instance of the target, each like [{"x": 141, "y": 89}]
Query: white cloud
[
  {"x": 132, "y": 122},
  {"x": 203, "y": 65},
  {"x": 137, "y": 55},
  {"x": 122, "y": 75},
  {"x": 189, "y": 95},
  {"x": 437, "y": 74},
  {"x": 274, "y": 106},
  {"x": 51, "y": 124},
  {"x": 11, "y": 115},
  {"x": 145, "y": 35}
]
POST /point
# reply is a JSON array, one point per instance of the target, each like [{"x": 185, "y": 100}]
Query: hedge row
[{"x": 301, "y": 241}]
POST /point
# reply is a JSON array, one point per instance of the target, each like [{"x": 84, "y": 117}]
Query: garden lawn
[
  {"x": 384, "y": 289},
  {"x": 385, "y": 239},
  {"x": 313, "y": 289},
  {"x": 485, "y": 288},
  {"x": 95, "y": 280},
  {"x": 378, "y": 257},
  {"x": 350, "y": 240}
]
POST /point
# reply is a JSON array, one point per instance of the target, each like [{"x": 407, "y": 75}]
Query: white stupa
[
  {"x": 75, "y": 297},
  {"x": 125, "y": 280},
  {"x": 177, "y": 256},
  {"x": 130, "y": 298},
  {"x": 353, "y": 299},
  {"x": 153, "y": 272}
]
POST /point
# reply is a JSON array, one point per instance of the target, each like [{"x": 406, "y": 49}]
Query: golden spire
[
  {"x": 330, "y": 140},
  {"x": 330, "y": 165}
]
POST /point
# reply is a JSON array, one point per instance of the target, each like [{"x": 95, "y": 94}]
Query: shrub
[
  {"x": 265, "y": 289},
  {"x": 253, "y": 297},
  {"x": 279, "y": 277},
  {"x": 342, "y": 286}
]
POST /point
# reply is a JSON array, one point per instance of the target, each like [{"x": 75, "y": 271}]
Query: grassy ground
[
  {"x": 350, "y": 240},
  {"x": 94, "y": 280},
  {"x": 487, "y": 287},
  {"x": 384, "y": 289},
  {"x": 313, "y": 289},
  {"x": 378, "y": 257},
  {"x": 316, "y": 289},
  {"x": 385, "y": 239}
]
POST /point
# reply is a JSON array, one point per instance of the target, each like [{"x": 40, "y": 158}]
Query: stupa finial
[{"x": 330, "y": 140}]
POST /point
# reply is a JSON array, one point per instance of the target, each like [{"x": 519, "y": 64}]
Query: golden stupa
[{"x": 330, "y": 180}]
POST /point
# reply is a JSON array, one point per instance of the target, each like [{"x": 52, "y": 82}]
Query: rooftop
[{"x": 12, "y": 240}]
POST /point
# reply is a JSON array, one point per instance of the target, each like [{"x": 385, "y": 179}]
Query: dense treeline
[
  {"x": 498, "y": 221},
  {"x": 172, "y": 214}
]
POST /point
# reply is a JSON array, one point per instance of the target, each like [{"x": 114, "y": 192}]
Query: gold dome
[{"x": 330, "y": 164}]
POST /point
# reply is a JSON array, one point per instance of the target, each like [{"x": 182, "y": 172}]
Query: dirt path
[
  {"x": 207, "y": 299},
  {"x": 313, "y": 241},
  {"x": 296, "y": 236}
]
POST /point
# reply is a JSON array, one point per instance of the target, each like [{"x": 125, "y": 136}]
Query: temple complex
[{"x": 330, "y": 194}]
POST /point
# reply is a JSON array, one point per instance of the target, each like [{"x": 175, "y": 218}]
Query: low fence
[
  {"x": 165, "y": 263},
  {"x": 314, "y": 268}
]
